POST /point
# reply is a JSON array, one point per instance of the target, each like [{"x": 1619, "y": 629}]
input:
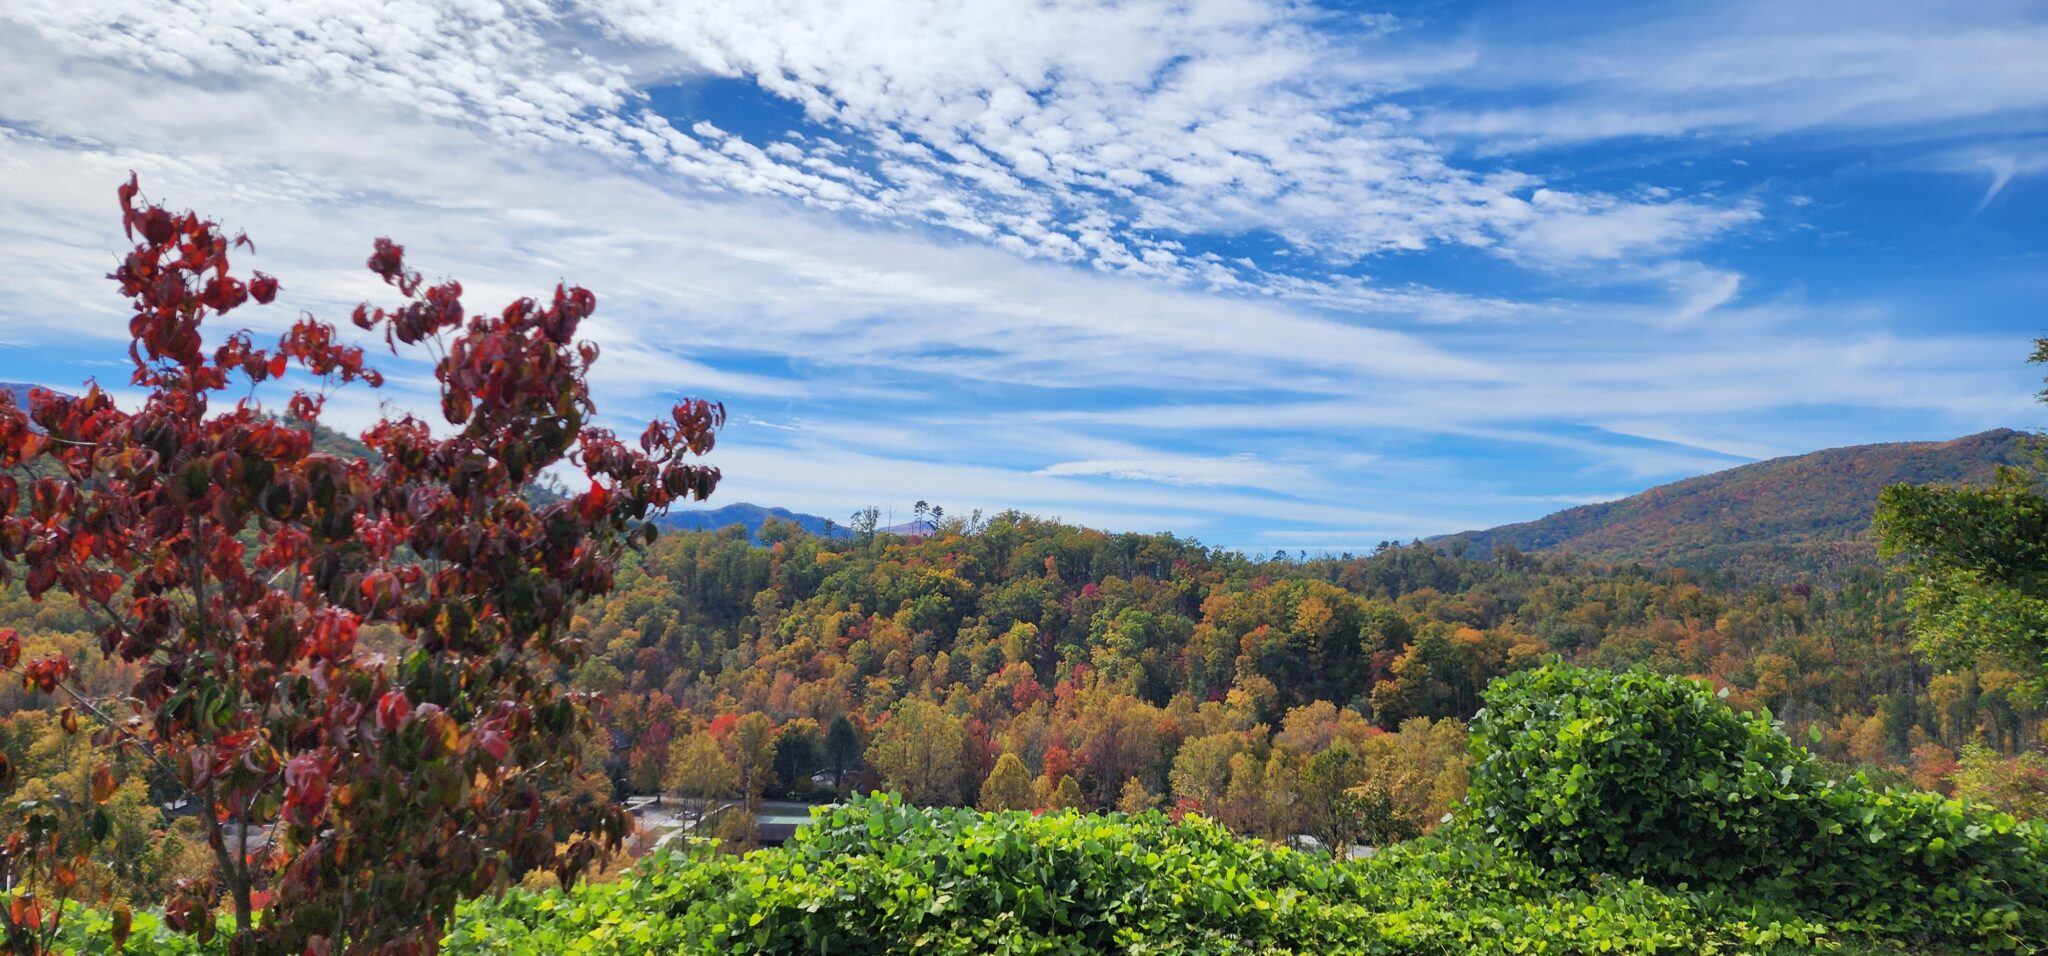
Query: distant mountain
[
  {"x": 18, "y": 391},
  {"x": 752, "y": 517},
  {"x": 1769, "y": 520}
]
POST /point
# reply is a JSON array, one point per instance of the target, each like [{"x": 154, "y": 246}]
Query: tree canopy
[
  {"x": 349, "y": 665},
  {"x": 1977, "y": 560}
]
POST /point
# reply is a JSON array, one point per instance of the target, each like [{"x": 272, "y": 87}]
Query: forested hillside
[
  {"x": 1074, "y": 666},
  {"x": 1772, "y": 520},
  {"x": 281, "y": 686}
]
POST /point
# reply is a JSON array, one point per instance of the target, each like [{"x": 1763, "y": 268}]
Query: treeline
[
  {"x": 1017, "y": 663},
  {"x": 1022, "y": 663}
]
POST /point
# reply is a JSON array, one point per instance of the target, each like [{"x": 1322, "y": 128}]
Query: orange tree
[{"x": 235, "y": 567}]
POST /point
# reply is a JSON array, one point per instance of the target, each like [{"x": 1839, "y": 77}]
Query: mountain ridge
[
  {"x": 750, "y": 516},
  {"x": 1773, "y": 519},
  {"x": 18, "y": 391}
]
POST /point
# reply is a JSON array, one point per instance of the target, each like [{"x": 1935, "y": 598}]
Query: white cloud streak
[
  {"x": 1894, "y": 69},
  {"x": 962, "y": 281}
]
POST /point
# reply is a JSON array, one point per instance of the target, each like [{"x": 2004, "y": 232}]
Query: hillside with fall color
[{"x": 1772, "y": 520}]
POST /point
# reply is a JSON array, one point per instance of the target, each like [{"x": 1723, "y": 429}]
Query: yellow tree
[
  {"x": 919, "y": 752},
  {"x": 1422, "y": 769},
  {"x": 1135, "y": 798},
  {"x": 753, "y": 755},
  {"x": 699, "y": 775},
  {"x": 1065, "y": 796},
  {"x": 1008, "y": 786},
  {"x": 1201, "y": 770}
]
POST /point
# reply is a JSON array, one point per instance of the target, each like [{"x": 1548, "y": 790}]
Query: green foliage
[
  {"x": 875, "y": 876},
  {"x": 1592, "y": 772},
  {"x": 1008, "y": 786},
  {"x": 1978, "y": 561},
  {"x": 1634, "y": 773},
  {"x": 88, "y": 931},
  {"x": 842, "y": 748}
]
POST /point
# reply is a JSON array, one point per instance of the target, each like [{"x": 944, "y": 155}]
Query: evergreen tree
[{"x": 796, "y": 753}]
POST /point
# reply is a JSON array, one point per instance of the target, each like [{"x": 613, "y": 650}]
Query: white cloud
[
  {"x": 1734, "y": 446},
  {"x": 2000, "y": 163},
  {"x": 1086, "y": 131},
  {"x": 1240, "y": 470},
  {"x": 1911, "y": 69},
  {"x": 776, "y": 273},
  {"x": 1572, "y": 229}
]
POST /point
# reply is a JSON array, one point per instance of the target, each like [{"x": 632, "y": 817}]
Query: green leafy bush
[
  {"x": 91, "y": 931},
  {"x": 1641, "y": 775},
  {"x": 876, "y": 876}
]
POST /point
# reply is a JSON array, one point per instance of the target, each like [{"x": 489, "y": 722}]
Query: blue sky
[{"x": 1273, "y": 275}]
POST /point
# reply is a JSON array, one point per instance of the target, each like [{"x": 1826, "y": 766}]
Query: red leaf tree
[{"x": 248, "y": 575}]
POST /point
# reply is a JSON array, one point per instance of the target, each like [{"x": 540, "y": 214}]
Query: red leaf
[
  {"x": 24, "y": 911},
  {"x": 392, "y": 709}
]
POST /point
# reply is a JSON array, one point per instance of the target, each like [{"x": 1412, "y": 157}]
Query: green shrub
[
  {"x": 1637, "y": 774},
  {"x": 91, "y": 931},
  {"x": 1640, "y": 775},
  {"x": 876, "y": 876},
  {"x": 1917, "y": 866}
]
